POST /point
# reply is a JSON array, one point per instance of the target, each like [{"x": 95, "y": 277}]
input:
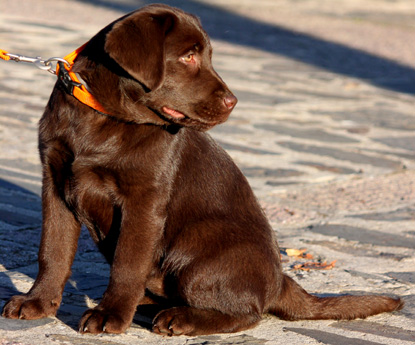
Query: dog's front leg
[
  {"x": 60, "y": 233},
  {"x": 141, "y": 228}
]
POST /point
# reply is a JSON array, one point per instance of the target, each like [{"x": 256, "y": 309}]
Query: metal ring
[
  {"x": 48, "y": 62},
  {"x": 57, "y": 59}
]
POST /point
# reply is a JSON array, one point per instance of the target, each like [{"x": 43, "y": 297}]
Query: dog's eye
[{"x": 190, "y": 58}]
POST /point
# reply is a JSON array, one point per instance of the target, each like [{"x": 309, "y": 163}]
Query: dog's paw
[
  {"x": 27, "y": 307},
  {"x": 101, "y": 321},
  {"x": 174, "y": 321}
]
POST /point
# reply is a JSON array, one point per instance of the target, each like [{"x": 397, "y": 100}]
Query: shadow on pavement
[
  {"x": 19, "y": 235},
  {"x": 227, "y": 26}
]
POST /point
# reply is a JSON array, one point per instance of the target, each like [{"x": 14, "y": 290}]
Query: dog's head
[{"x": 158, "y": 61}]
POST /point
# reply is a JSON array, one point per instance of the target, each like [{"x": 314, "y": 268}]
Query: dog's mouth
[
  {"x": 179, "y": 118},
  {"x": 174, "y": 113}
]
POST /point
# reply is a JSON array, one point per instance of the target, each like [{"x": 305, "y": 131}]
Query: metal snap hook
[{"x": 41, "y": 64}]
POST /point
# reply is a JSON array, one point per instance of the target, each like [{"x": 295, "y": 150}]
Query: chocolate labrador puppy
[{"x": 165, "y": 204}]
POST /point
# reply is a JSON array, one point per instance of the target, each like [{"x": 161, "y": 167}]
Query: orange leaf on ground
[{"x": 307, "y": 266}]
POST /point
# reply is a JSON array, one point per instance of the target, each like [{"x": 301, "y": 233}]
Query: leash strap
[{"x": 3, "y": 55}]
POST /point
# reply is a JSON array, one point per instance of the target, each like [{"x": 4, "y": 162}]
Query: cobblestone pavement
[{"x": 324, "y": 130}]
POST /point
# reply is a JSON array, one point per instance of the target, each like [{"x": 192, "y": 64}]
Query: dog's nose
[{"x": 230, "y": 101}]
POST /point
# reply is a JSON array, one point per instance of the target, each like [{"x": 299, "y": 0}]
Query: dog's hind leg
[{"x": 192, "y": 321}]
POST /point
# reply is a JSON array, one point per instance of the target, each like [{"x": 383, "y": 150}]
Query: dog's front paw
[
  {"x": 29, "y": 308},
  {"x": 98, "y": 320},
  {"x": 174, "y": 321}
]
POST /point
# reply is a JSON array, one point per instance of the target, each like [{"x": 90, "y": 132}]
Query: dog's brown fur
[{"x": 165, "y": 204}]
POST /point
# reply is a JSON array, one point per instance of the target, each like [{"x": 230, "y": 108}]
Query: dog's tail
[{"x": 294, "y": 303}]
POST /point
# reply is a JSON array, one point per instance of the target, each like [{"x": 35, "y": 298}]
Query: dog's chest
[{"x": 98, "y": 182}]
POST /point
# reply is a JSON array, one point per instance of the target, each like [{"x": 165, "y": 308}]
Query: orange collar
[{"x": 72, "y": 84}]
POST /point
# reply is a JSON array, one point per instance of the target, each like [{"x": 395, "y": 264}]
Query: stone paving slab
[{"x": 324, "y": 131}]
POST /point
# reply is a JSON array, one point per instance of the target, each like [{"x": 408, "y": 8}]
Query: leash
[
  {"x": 45, "y": 65},
  {"x": 63, "y": 71}
]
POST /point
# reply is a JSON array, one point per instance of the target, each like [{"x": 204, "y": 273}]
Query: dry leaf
[
  {"x": 294, "y": 252},
  {"x": 307, "y": 266},
  {"x": 299, "y": 253}
]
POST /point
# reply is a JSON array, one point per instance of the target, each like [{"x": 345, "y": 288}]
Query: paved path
[{"x": 324, "y": 130}]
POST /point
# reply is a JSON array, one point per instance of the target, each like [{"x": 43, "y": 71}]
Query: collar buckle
[{"x": 66, "y": 80}]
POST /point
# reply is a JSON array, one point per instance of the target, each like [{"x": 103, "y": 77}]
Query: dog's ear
[{"x": 136, "y": 43}]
